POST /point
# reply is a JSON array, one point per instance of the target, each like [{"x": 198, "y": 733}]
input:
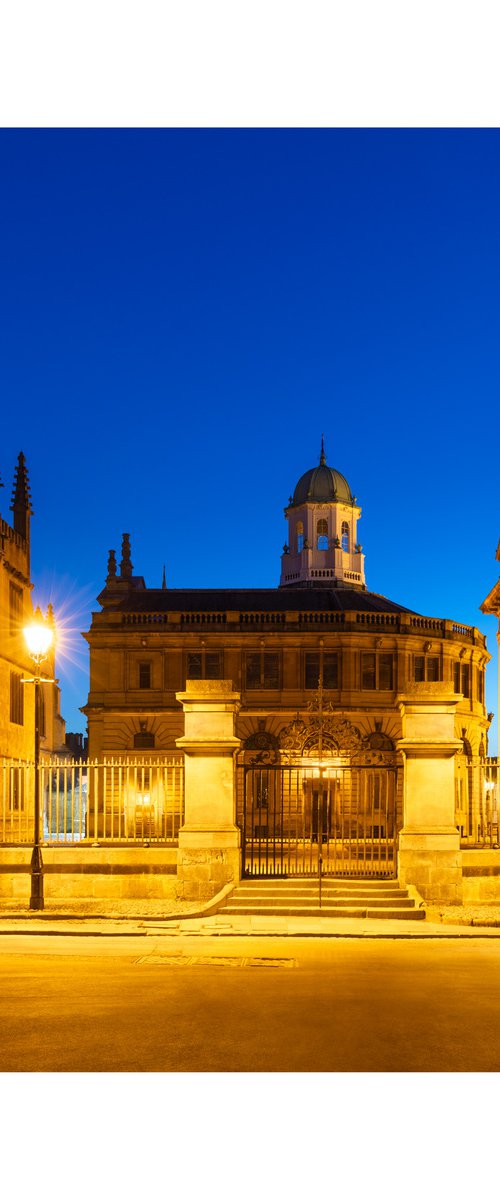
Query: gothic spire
[
  {"x": 164, "y": 580},
  {"x": 21, "y": 499},
  {"x": 322, "y": 458}
]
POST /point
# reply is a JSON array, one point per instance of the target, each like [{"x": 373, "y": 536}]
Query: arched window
[
  {"x": 300, "y": 536},
  {"x": 322, "y": 535},
  {"x": 345, "y": 535}
]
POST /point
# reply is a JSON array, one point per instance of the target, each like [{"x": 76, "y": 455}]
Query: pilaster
[
  {"x": 429, "y": 843},
  {"x": 209, "y": 854}
]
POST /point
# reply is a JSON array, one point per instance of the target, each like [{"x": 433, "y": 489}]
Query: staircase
[{"x": 299, "y": 897}]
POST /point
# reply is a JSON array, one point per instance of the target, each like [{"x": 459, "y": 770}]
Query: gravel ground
[
  {"x": 464, "y": 914},
  {"x": 107, "y": 908}
]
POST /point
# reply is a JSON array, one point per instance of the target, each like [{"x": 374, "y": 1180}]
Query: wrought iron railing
[{"x": 133, "y": 800}]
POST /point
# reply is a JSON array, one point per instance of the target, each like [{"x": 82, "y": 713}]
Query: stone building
[
  {"x": 17, "y": 730},
  {"x": 317, "y": 667}
]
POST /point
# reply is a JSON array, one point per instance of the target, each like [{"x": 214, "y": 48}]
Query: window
[
  {"x": 204, "y": 664},
  {"x": 300, "y": 536},
  {"x": 425, "y": 668},
  {"x": 377, "y": 672},
  {"x": 144, "y": 674},
  {"x": 345, "y": 536},
  {"x": 385, "y": 673},
  {"x": 330, "y": 670},
  {"x": 15, "y": 607},
  {"x": 419, "y": 668},
  {"x": 322, "y": 535},
  {"x": 461, "y": 678},
  {"x": 16, "y": 699},
  {"x": 480, "y": 685},
  {"x": 433, "y": 670},
  {"x": 262, "y": 670}
]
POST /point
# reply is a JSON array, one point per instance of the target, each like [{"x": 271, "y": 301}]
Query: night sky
[{"x": 185, "y": 312}]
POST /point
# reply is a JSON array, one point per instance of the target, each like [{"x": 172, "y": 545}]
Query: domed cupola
[
  {"x": 322, "y": 548},
  {"x": 322, "y": 485}
]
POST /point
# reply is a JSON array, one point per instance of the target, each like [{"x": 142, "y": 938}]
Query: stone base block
[
  {"x": 89, "y": 873},
  {"x": 206, "y": 861},
  {"x": 432, "y": 862}
]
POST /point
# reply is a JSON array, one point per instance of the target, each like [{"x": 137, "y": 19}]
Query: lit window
[
  {"x": 322, "y": 535},
  {"x": 345, "y": 536},
  {"x": 300, "y": 536}
]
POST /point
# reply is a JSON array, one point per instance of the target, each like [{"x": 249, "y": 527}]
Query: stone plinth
[
  {"x": 209, "y": 854},
  {"x": 429, "y": 843}
]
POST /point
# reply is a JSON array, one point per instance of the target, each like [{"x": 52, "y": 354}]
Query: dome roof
[{"x": 321, "y": 485}]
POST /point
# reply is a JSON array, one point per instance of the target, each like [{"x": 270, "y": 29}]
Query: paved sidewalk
[{"x": 160, "y": 918}]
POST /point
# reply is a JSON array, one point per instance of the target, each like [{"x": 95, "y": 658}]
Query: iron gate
[{"x": 298, "y": 820}]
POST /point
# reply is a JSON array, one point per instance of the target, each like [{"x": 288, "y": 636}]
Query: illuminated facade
[
  {"x": 321, "y": 630},
  {"x": 17, "y": 731}
]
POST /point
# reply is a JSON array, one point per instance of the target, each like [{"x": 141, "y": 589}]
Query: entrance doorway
[{"x": 299, "y": 818}]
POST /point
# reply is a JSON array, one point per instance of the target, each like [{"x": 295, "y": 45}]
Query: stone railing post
[
  {"x": 429, "y": 842},
  {"x": 209, "y": 854}
]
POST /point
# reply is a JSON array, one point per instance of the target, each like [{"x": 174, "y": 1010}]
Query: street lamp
[{"x": 39, "y": 637}]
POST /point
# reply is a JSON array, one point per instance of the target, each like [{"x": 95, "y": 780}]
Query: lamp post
[{"x": 39, "y": 637}]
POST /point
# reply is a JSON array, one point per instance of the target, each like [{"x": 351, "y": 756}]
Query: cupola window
[
  {"x": 300, "y": 536},
  {"x": 345, "y": 536},
  {"x": 322, "y": 535}
]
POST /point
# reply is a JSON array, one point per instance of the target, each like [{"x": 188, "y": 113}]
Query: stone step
[
  {"x": 251, "y": 910},
  {"x": 262, "y": 891},
  {"x": 279, "y": 902}
]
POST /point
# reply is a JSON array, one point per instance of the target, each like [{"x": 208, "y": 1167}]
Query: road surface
[{"x": 179, "y": 1003}]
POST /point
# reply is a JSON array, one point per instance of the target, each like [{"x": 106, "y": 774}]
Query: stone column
[
  {"x": 429, "y": 842},
  {"x": 209, "y": 854}
]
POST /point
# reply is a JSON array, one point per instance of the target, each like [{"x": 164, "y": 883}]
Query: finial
[
  {"x": 322, "y": 459},
  {"x": 111, "y": 566},
  {"x": 126, "y": 565},
  {"x": 164, "y": 580},
  {"x": 50, "y": 619}
]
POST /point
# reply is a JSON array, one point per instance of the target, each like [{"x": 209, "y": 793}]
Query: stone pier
[
  {"x": 209, "y": 854},
  {"x": 429, "y": 843}
]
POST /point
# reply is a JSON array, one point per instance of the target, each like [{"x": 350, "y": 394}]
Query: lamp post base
[{"x": 36, "y": 898}]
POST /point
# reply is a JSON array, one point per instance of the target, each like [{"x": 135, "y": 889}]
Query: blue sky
[{"x": 185, "y": 312}]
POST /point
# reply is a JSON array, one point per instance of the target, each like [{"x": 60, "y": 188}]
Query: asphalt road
[{"x": 176, "y": 1004}]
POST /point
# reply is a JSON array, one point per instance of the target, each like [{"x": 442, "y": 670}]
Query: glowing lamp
[{"x": 38, "y": 637}]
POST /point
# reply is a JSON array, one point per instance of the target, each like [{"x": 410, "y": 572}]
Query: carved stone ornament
[
  {"x": 266, "y": 747},
  {"x": 339, "y": 736}
]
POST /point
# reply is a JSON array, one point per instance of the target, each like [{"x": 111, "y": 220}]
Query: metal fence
[{"x": 117, "y": 800}]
